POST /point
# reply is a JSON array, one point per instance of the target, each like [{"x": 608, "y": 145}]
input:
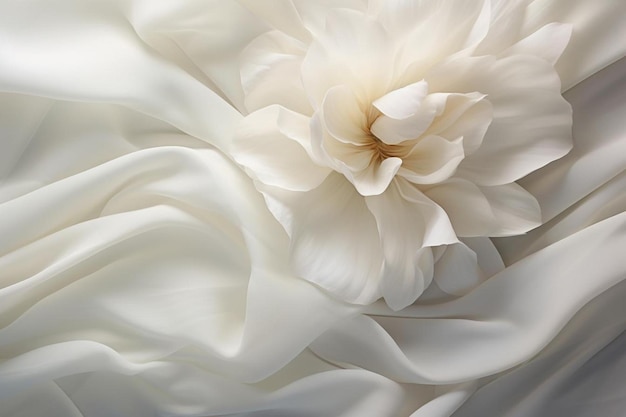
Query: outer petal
[
  {"x": 549, "y": 42},
  {"x": 354, "y": 50},
  {"x": 599, "y": 152},
  {"x": 271, "y": 143},
  {"x": 516, "y": 210},
  {"x": 334, "y": 241},
  {"x": 270, "y": 73},
  {"x": 280, "y": 14},
  {"x": 402, "y": 226},
  {"x": 457, "y": 270},
  {"x": 315, "y": 13},
  {"x": 502, "y": 323},
  {"x": 597, "y": 39},
  {"x": 531, "y": 121},
  {"x": 440, "y": 28},
  {"x": 438, "y": 229},
  {"x": 486, "y": 211}
]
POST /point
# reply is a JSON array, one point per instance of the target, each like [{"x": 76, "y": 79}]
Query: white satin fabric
[{"x": 142, "y": 274}]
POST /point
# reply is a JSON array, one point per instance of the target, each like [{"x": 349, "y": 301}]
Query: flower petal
[
  {"x": 457, "y": 271},
  {"x": 599, "y": 152},
  {"x": 407, "y": 113},
  {"x": 489, "y": 259},
  {"x": 486, "y": 211},
  {"x": 440, "y": 28},
  {"x": 280, "y": 14},
  {"x": 531, "y": 123},
  {"x": 549, "y": 42},
  {"x": 465, "y": 115},
  {"x": 438, "y": 229},
  {"x": 432, "y": 160},
  {"x": 314, "y": 13},
  {"x": 401, "y": 226},
  {"x": 516, "y": 210},
  {"x": 270, "y": 73},
  {"x": 334, "y": 240},
  {"x": 374, "y": 179},
  {"x": 403, "y": 102},
  {"x": 344, "y": 118},
  {"x": 353, "y": 51},
  {"x": 271, "y": 143},
  {"x": 597, "y": 39},
  {"x": 504, "y": 322}
]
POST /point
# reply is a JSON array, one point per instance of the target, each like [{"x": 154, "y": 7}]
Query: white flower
[
  {"x": 142, "y": 274},
  {"x": 382, "y": 133}
]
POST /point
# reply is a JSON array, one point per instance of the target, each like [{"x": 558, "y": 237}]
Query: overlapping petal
[{"x": 140, "y": 281}]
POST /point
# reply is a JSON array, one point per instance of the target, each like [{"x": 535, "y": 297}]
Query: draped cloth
[{"x": 142, "y": 272}]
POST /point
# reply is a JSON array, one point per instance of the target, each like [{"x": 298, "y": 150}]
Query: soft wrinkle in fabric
[{"x": 347, "y": 208}]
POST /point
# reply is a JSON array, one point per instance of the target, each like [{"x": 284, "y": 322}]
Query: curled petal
[
  {"x": 343, "y": 117},
  {"x": 375, "y": 178},
  {"x": 433, "y": 159},
  {"x": 272, "y": 144},
  {"x": 531, "y": 123},
  {"x": 486, "y": 211},
  {"x": 270, "y": 73},
  {"x": 408, "y": 266},
  {"x": 548, "y": 43},
  {"x": 403, "y": 102},
  {"x": 466, "y": 115},
  {"x": 354, "y": 50},
  {"x": 597, "y": 39},
  {"x": 457, "y": 270},
  {"x": 334, "y": 240}
]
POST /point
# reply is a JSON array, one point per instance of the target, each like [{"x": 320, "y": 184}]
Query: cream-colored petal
[
  {"x": 403, "y": 102},
  {"x": 503, "y": 323},
  {"x": 468, "y": 209},
  {"x": 457, "y": 270},
  {"x": 268, "y": 143},
  {"x": 344, "y": 118},
  {"x": 375, "y": 178},
  {"x": 549, "y": 42},
  {"x": 280, "y": 14},
  {"x": 270, "y": 73},
  {"x": 465, "y": 115},
  {"x": 355, "y": 51},
  {"x": 334, "y": 240},
  {"x": 438, "y": 230},
  {"x": 597, "y": 38},
  {"x": 486, "y": 211},
  {"x": 401, "y": 226},
  {"x": 531, "y": 123},
  {"x": 433, "y": 159},
  {"x": 599, "y": 151}
]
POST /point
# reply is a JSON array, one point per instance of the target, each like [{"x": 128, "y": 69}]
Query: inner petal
[{"x": 344, "y": 118}]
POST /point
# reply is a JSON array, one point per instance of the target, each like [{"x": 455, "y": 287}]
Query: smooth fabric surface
[{"x": 180, "y": 233}]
